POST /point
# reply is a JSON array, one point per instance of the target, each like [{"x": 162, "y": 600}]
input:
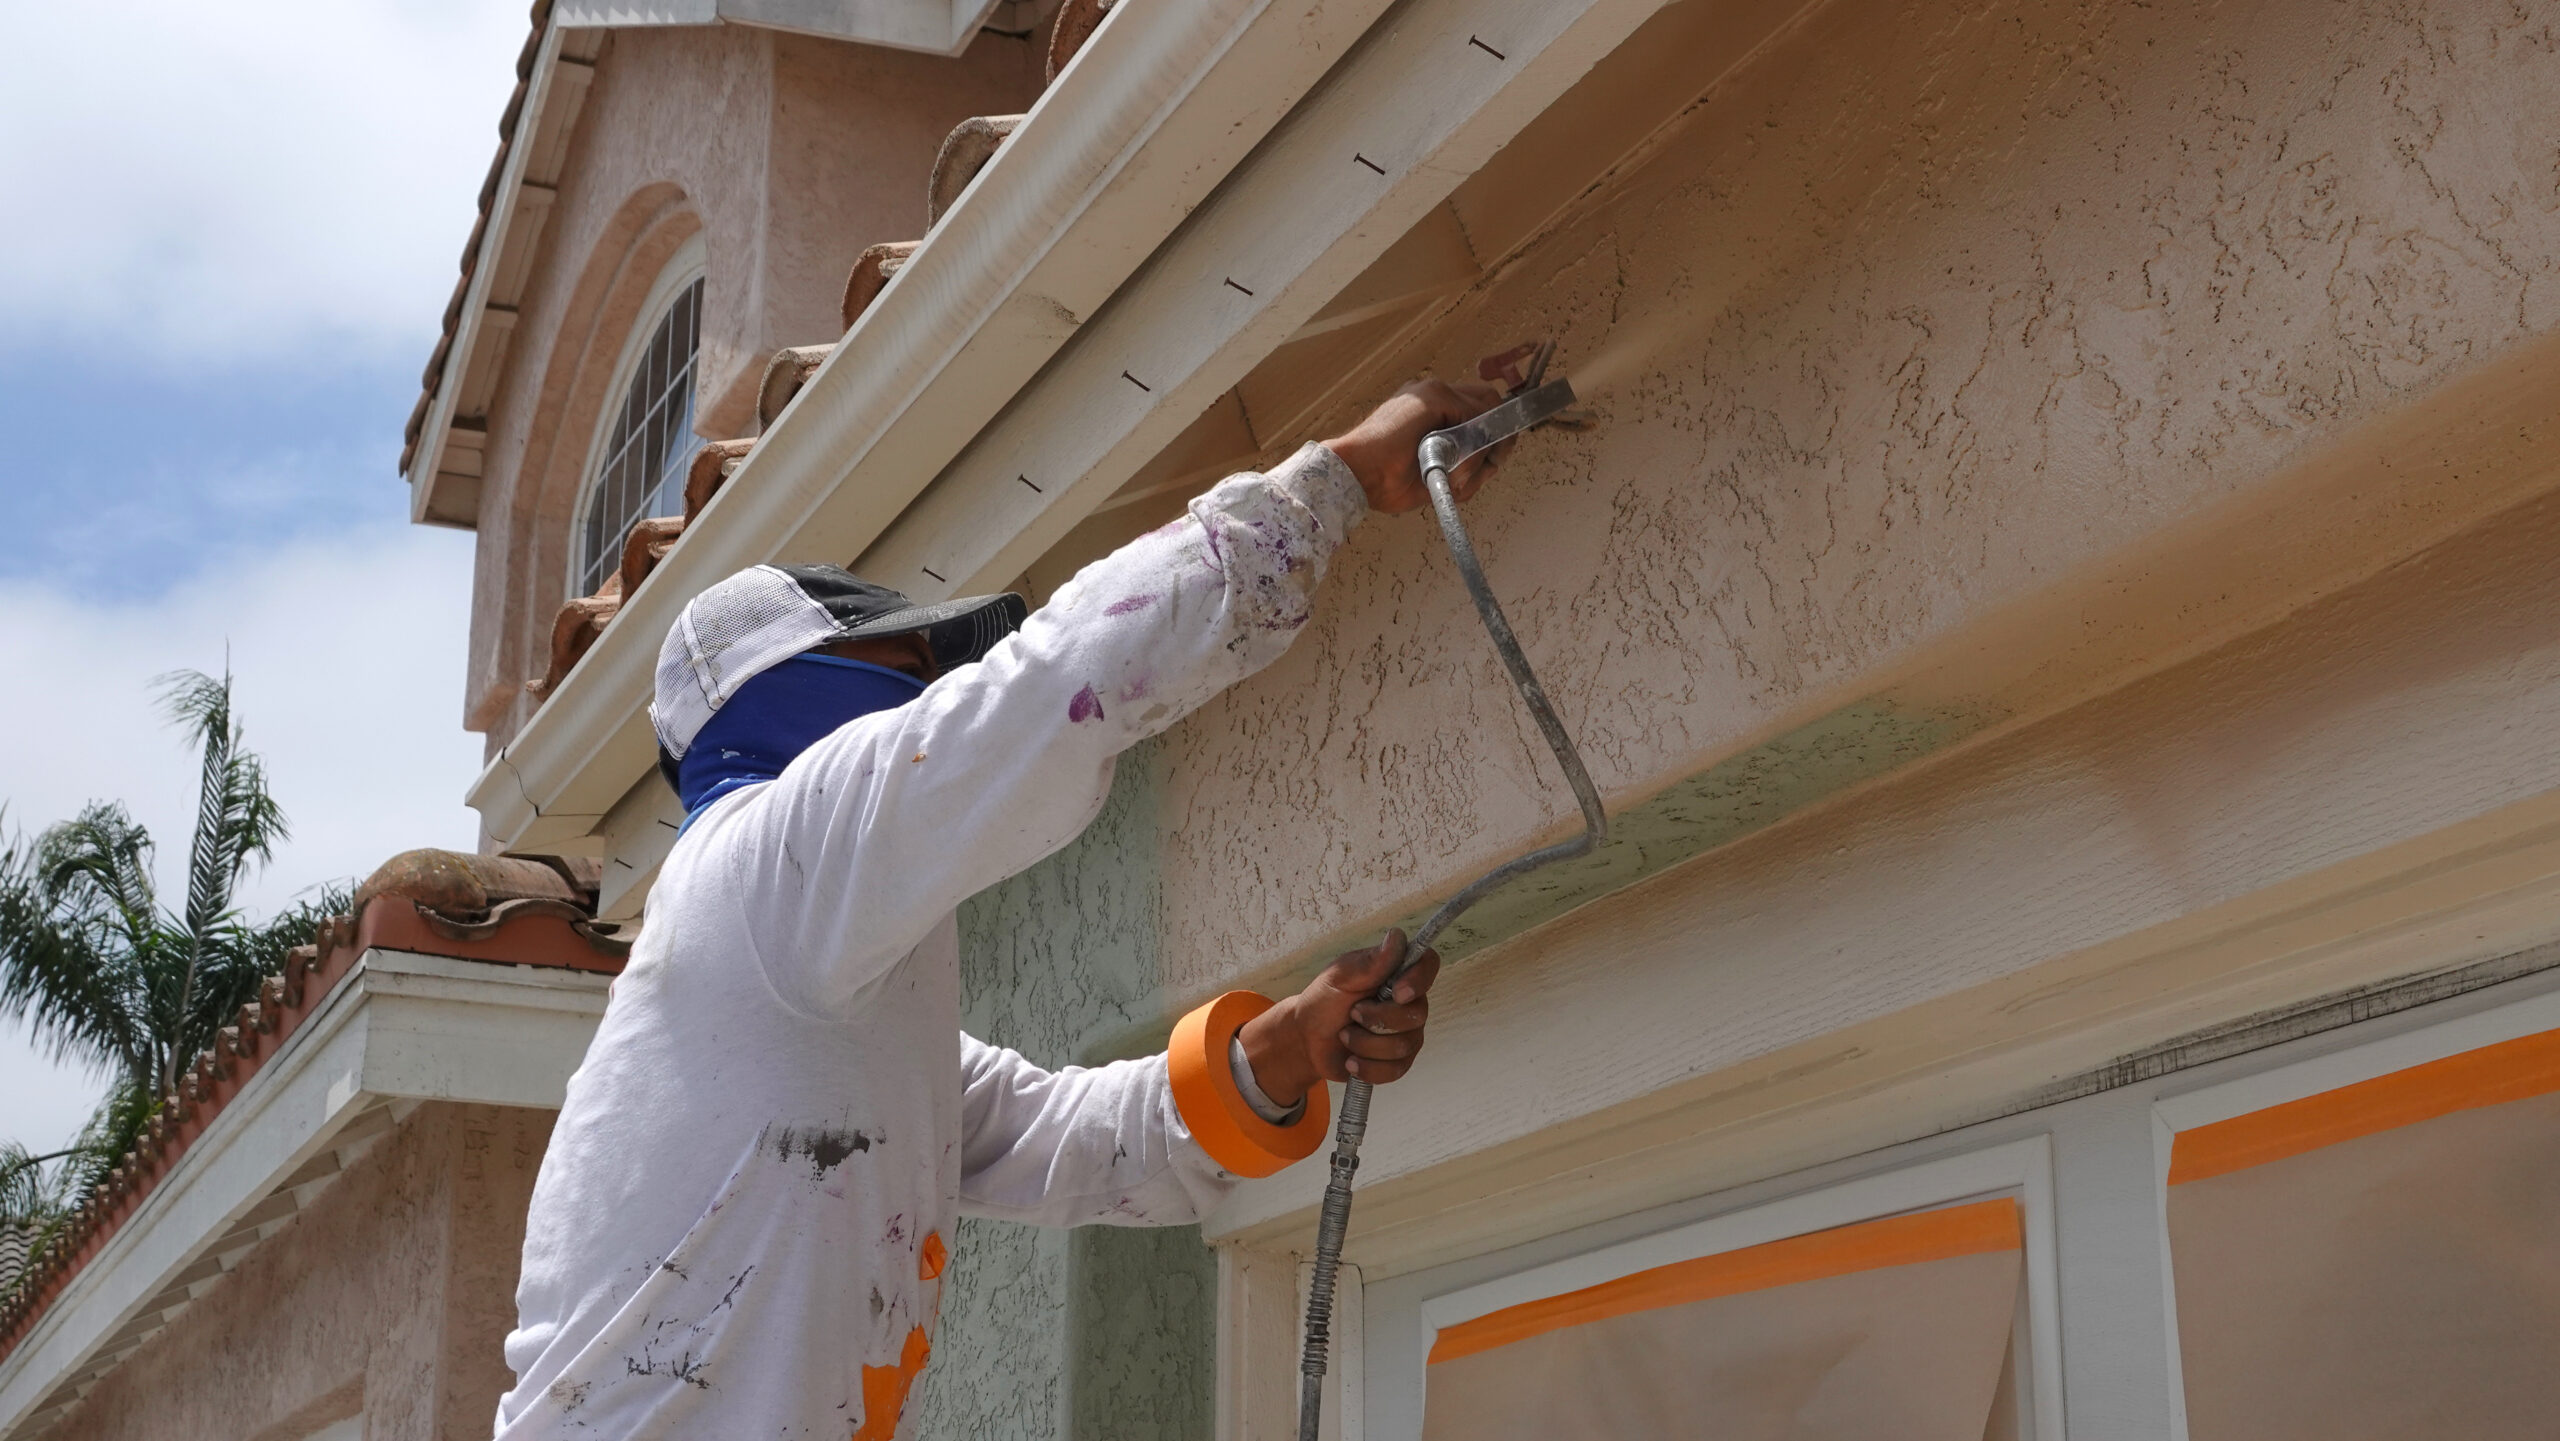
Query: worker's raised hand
[
  {"x": 1336, "y": 1029},
  {"x": 1381, "y": 449}
]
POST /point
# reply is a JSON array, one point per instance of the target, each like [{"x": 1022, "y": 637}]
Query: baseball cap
[{"x": 759, "y": 618}]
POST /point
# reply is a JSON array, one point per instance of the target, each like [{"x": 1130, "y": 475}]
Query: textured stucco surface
[
  {"x": 1099, "y": 1333},
  {"x": 788, "y": 155},
  {"x": 1919, "y": 315},
  {"x": 390, "y": 1293},
  {"x": 1922, "y": 317}
]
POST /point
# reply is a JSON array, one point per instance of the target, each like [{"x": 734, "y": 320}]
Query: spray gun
[{"x": 1534, "y": 401}]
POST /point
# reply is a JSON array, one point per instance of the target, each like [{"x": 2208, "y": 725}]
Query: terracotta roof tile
[
  {"x": 581, "y": 621},
  {"x": 789, "y": 370},
  {"x": 433, "y": 380},
  {"x": 1077, "y": 20},
  {"x": 965, "y": 152},
  {"x": 440, "y": 903}
]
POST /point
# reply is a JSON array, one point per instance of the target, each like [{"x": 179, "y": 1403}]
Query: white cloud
[
  {"x": 249, "y": 177},
  {"x": 347, "y": 655},
  {"x": 43, "y": 1104}
]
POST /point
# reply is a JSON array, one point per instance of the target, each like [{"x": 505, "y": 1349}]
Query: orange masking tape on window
[
  {"x": 1204, "y": 1090},
  {"x": 1969, "y": 1230},
  {"x": 2492, "y": 1075}
]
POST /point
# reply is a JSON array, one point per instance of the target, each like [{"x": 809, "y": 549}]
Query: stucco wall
[
  {"x": 389, "y": 1294},
  {"x": 1921, "y": 317},
  {"x": 1098, "y": 1333},
  {"x": 788, "y": 155}
]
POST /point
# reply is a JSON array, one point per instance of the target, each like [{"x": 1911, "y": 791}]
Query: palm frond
[
  {"x": 67, "y": 965},
  {"x": 238, "y": 824},
  {"x": 201, "y": 705},
  {"x": 32, "y": 1209},
  {"x": 101, "y": 972},
  {"x": 95, "y": 869},
  {"x": 109, "y": 1137}
]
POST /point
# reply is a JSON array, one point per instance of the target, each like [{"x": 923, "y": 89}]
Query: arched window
[{"x": 643, "y": 453}]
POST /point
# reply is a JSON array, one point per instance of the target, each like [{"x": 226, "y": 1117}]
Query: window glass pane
[
  {"x": 2377, "y": 1261},
  {"x": 641, "y": 471},
  {"x": 1890, "y": 1330}
]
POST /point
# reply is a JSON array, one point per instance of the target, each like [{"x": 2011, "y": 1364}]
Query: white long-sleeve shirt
[{"x": 748, "y": 1195}]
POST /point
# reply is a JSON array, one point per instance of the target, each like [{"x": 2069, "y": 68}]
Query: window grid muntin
[{"x": 651, "y": 444}]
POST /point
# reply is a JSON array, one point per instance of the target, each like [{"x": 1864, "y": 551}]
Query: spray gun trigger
[
  {"x": 1506, "y": 369},
  {"x": 1537, "y": 375}
]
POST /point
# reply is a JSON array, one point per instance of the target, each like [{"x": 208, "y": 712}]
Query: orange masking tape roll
[{"x": 1204, "y": 1088}]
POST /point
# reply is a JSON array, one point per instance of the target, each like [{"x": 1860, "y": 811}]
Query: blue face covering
[{"x": 779, "y": 714}]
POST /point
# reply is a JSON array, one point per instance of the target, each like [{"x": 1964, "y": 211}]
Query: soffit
[
  {"x": 443, "y": 447},
  {"x": 940, "y": 27},
  {"x": 1366, "y": 159}
]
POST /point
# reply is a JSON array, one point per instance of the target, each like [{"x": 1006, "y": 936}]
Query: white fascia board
[
  {"x": 425, "y": 464},
  {"x": 398, "y": 1027},
  {"x": 1420, "y": 106},
  {"x": 1157, "y": 108},
  {"x": 937, "y": 27}
]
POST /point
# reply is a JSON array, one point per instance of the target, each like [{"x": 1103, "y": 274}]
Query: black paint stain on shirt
[{"x": 825, "y": 1147}]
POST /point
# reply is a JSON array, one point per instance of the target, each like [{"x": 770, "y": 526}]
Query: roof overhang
[
  {"x": 1277, "y": 147},
  {"x": 402, "y": 1028},
  {"x": 939, "y": 27},
  {"x": 444, "y": 458},
  {"x": 445, "y": 461}
]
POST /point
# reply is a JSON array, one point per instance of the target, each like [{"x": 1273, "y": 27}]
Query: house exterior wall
[
  {"x": 788, "y": 155},
  {"x": 388, "y": 1297},
  {"x": 2064, "y": 473},
  {"x": 2080, "y": 469},
  {"x": 1099, "y": 1334},
  {"x": 1926, "y": 335}
]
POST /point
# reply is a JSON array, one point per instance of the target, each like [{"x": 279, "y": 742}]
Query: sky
[{"x": 234, "y": 231}]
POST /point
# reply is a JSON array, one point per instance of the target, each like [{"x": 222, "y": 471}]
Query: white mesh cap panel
[{"x": 727, "y": 636}]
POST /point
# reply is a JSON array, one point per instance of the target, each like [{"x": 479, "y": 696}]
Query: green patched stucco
[
  {"x": 1102, "y": 1333},
  {"x": 1107, "y": 1333},
  {"x": 1715, "y": 807}
]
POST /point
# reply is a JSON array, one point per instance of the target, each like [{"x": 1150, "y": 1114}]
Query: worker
[{"x": 742, "y": 1221}]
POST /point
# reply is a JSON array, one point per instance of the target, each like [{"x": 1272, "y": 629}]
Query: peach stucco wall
[
  {"x": 788, "y": 155},
  {"x": 389, "y": 1294},
  {"x": 1903, "y": 341}
]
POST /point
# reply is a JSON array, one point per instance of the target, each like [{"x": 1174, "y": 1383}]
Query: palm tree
[{"x": 102, "y": 973}]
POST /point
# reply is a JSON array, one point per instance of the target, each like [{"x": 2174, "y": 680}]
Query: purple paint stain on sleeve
[
  {"x": 1131, "y": 606},
  {"x": 1084, "y": 707}
]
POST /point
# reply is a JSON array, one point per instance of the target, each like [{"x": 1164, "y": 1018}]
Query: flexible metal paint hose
[{"x": 1442, "y": 453}]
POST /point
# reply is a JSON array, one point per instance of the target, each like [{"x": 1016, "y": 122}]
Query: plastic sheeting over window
[
  {"x": 1891, "y": 1330},
  {"x": 2381, "y": 1260}
]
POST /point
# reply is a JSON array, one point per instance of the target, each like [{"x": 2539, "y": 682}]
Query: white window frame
[
  {"x": 690, "y": 263},
  {"x": 2347, "y": 1056},
  {"x": 2091, "y": 1173},
  {"x": 1401, "y": 1319},
  {"x": 2204, "y": 1105}
]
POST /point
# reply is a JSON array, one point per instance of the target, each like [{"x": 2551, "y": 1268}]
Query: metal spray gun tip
[{"x": 1446, "y": 450}]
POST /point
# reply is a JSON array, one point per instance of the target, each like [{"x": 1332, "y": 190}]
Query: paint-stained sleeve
[
  {"x": 874, "y": 834},
  {"x": 1080, "y": 1146}
]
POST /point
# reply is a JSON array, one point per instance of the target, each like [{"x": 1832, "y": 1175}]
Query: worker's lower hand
[
  {"x": 1382, "y": 450},
  {"x": 1336, "y": 1029}
]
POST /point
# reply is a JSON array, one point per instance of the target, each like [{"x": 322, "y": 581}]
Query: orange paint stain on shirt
[
  {"x": 933, "y": 1258},
  {"x": 884, "y": 1389}
]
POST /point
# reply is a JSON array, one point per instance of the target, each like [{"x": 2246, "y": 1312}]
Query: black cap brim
[{"x": 960, "y": 631}]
